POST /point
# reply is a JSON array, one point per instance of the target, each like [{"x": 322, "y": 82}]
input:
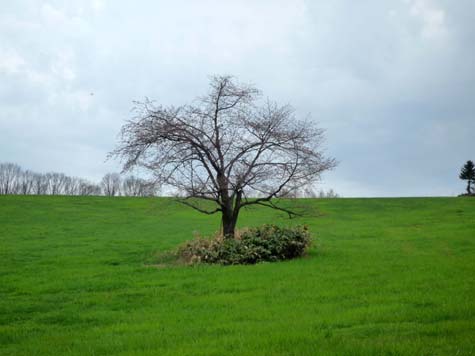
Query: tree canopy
[
  {"x": 468, "y": 173},
  {"x": 229, "y": 148}
]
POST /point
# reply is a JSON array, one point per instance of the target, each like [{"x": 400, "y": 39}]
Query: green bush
[{"x": 264, "y": 243}]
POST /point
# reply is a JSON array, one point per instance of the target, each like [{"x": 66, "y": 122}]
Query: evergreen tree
[{"x": 468, "y": 173}]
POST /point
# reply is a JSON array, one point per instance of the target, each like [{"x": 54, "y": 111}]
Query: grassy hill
[{"x": 384, "y": 277}]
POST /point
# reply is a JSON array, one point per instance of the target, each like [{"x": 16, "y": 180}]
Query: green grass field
[{"x": 384, "y": 277}]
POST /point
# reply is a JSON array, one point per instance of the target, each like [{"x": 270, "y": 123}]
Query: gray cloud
[{"x": 392, "y": 82}]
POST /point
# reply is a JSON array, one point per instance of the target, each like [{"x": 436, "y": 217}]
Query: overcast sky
[{"x": 392, "y": 82}]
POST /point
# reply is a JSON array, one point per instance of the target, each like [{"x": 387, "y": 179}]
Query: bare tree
[
  {"x": 88, "y": 188},
  {"x": 307, "y": 191},
  {"x": 224, "y": 149},
  {"x": 133, "y": 186},
  {"x": 40, "y": 184},
  {"x": 328, "y": 194},
  {"x": 9, "y": 177},
  {"x": 56, "y": 183},
  {"x": 14, "y": 180},
  {"x": 111, "y": 184},
  {"x": 71, "y": 186},
  {"x": 26, "y": 182}
]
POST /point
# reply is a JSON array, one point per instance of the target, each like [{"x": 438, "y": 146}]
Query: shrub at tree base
[{"x": 264, "y": 243}]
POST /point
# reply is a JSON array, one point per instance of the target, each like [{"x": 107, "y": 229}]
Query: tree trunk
[{"x": 229, "y": 223}]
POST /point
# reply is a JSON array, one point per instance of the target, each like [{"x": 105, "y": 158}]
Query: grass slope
[{"x": 385, "y": 277}]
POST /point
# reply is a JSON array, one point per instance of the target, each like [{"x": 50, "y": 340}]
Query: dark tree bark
[{"x": 227, "y": 149}]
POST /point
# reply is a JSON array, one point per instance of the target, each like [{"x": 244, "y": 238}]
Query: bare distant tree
[
  {"x": 40, "y": 184},
  {"x": 328, "y": 194},
  {"x": 133, "y": 186},
  {"x": 224, "y": 148},
  {"x": 9, "y": 176},
  {"x": 150, "y": 189},
  {"x": 88, "y": 188},
  {"x": 309, "y": 192},
  {"x": 71, "y": 186},
  {"x": 26, "y": 182},
  {"x": 56, "y": 183},
  {"x": 111, "y": 184},
  {"x": 13, "y": 180}
]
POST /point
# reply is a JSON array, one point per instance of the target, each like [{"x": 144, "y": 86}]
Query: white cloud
[
  {"x": 52, "y": 15},
  {"x": 73, "y": 100},
  {"x": 11, "y": 62},
  {"x": 432, "y": 18},
  {"x": 98, "y": 6},
  {"x": 63, "y": 65}
]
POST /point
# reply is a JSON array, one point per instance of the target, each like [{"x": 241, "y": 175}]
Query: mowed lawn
[{"x": 384, "y": 277}]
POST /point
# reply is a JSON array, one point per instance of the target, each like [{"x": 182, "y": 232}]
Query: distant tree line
[
  {"x": 113, "y": 184},
  {"x": 15, "y": 180},
  {"x": 308, "y": 191}
]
